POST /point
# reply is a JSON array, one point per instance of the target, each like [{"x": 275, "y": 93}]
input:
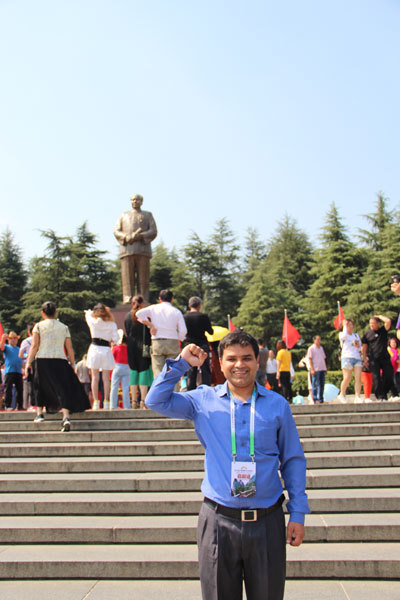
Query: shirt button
[
  {"x": 244, "y": 422},
  {"x": 242, "y": 444}
]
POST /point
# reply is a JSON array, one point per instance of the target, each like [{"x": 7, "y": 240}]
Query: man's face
[
  {"x": 374, "y": 324},
  {"x": 317, "y": 341},
  {"x": 13, "y": 341},
  {"x": 239, "y": 365},
  {"x": 136, "y": 202}
]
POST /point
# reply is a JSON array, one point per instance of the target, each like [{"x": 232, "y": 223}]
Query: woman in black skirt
[{"x": 55, "y": 383}]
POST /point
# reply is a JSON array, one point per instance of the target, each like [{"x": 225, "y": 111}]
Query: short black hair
[
  {"x": 49, "y": 308},
  {"x": 241, "y": 338},
  {"x": 166, "y": 295},
  {"x": 30, "y": 327}
]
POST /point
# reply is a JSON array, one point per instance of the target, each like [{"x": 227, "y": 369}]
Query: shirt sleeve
[
  {"x": 182, "y": 329},
  {"x": 67, "y": 332},
  {"x": 36, "y": 329},
  {"x": 115, "y": 336},
  {"x": 162, "y": 397},
  {"x": 143, "y": 314},
  {"x": 293, "y": 466}
]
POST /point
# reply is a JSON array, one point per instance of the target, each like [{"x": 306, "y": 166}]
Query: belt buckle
[{"x": 246, "y": 515}]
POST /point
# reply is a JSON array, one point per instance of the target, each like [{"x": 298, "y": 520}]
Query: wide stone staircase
[{"x": 117, "y": 496}]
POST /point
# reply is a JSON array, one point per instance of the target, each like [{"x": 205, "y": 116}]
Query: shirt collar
[{"x": 223, "y": 390}]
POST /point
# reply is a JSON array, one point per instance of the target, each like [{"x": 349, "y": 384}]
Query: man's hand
[
  {"x": 294, "y": 533},
  {"x": 194, "y": 355}
]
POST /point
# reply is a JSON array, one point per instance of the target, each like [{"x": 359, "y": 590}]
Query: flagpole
[
  {"x": 229, "y": 320},
  {"x": 285, "y": 325}
]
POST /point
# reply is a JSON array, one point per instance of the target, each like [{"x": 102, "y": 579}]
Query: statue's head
[{"x": 137, "y": 201}]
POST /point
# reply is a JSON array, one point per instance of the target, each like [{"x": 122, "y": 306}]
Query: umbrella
[{"x": 218, "y": 333}]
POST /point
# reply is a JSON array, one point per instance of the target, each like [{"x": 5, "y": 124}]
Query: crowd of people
[{"x": 41, "y": 371}]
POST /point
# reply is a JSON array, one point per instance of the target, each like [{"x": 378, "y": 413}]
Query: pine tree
[
  {"x": 337, "y": 269},
  {"x": 74, "y": 274},
  {"x": 162, "y": 267},
  {"x": 254, "y": 252},
  {"x": 223, "y": 293},
  {"x": 278, "y": 283},
  {"x": 372, "y": 295},
  {"x": 377, "y": 221},
  {"x": 12, "y": 281}
]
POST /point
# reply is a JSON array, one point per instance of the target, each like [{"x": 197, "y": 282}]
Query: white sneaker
[
  {"x": 358, "y": 400},
  {"x": 367, "y": 400},
  {"x": 96, "y": 405},
  {"x": 106, "y": 405},
  {"x": 342, "y": 398}
]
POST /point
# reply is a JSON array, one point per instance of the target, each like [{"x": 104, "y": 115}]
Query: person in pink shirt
[
  {"x": 317, "y": 360},
  {"x": 120, "y": 373},
  {"x": 394, "y": 354}
]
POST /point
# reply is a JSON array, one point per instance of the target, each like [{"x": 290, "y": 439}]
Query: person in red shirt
[{"x": 120, "y": 373}]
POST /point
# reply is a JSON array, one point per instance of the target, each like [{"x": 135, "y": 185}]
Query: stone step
[
  {"x": 297, "y": 409},
  {"x": 367, "y": 500},
  {"x": 186, "y": 481},
  {"x": 315, "y": 417},
  {"x": 173, "y": 561},
  {"x": 181, "y": 529},
  {"x": 347, "y": 418},
  {"x": 96, "y": 424},
  {"x": 142, "y": 589},
  {"x": 149, "y": 435},
  {"x": 63, "y": 448},
  {"x": 310, "y": 431},
  {"x": 160, "y": 463},
  {"x": 102, "y": 438}
]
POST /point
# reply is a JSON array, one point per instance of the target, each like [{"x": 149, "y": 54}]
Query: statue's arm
[
  {"x": 151, "y": 232},
  {"x": 119, "y": 233}
]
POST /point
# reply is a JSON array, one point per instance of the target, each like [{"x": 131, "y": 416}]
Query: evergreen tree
[
  {"x": 254, "y": 252},
  {"x": 12, "y": 281},
  {"x": 372, "y": 295},
  {"x": 161, "y": 267},
  {"x": 223, "y": 293},
  {"x": 278, "y": 283},
  {"x": 337, "y": 269},
  {"x": 377, "y": 221},
  {"x": 201, "y": 261},
  {"x": 74, "y": 274}
]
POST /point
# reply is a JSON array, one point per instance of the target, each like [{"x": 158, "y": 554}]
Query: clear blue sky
[{"x": 208, "y": 109}]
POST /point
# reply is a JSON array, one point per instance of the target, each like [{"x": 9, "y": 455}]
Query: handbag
[{"x": 145, "y": 347}]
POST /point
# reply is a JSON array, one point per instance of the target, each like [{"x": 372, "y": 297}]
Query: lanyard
[{"x": 233, "y": 426}]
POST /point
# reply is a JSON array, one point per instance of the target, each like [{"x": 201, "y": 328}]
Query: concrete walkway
[{"x": 188, "y": 590}]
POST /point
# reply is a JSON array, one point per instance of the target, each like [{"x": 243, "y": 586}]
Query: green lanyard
[{"x": 233, "y": 426}]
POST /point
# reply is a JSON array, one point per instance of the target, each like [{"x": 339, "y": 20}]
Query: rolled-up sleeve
[{"x": 162, "y": 397}]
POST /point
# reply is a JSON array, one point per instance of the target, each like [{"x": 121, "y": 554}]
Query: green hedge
[{"x": 300, "y": 385}]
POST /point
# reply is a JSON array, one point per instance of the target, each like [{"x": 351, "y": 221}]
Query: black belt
[
  {"x": 248, "y": 514},
  {"x": 100, "y": 342}
]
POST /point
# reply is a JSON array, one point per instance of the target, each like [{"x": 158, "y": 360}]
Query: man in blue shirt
[
  {"x": 12, "y": 370},
  {"x": 248, "y": 433}
]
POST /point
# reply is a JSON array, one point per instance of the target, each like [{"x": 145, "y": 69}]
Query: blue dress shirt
[{"x": 277, "y": 444}]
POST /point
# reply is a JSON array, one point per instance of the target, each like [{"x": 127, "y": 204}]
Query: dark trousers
[
  {"x": 9, "y": 380},
  {"x": 205, "y": 372},
  {"x": 381, "y": 381},
  {"x": 273, "y": 382},
  {"x": 231, "y": 551},
  {"x": 318, "y": 385},
  {"x": 286, "y": 385}
]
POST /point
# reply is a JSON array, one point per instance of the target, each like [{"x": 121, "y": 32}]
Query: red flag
[
  {"x": 290, "y": 335},
  {"x": 1, "y": 330},
  {"x": 337, "y": 323},
  {"x": 231, "y": 326}
]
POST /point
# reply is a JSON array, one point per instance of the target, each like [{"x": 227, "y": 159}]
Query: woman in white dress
[{"x": 103, "y": 331}]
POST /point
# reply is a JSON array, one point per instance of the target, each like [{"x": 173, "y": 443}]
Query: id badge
[{"x": 243, "y": 479}]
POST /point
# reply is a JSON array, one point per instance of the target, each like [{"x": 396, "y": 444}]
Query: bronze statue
[{"x": 135, "y": 230}]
